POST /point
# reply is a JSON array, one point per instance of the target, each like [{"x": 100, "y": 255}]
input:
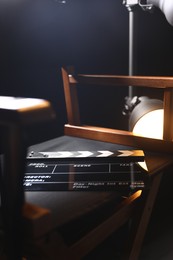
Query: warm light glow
[
  {"x": 150, "y": 125},
  {"x": 13, "y": 103}
]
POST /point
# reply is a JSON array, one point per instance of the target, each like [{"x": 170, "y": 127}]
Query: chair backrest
[
  {"x": 15, "y": 115},
  {"x": 74, "y": 127}
]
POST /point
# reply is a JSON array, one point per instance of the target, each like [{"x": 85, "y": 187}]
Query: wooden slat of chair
[
  {"x": 119, "y": 137},
  {"x": 115, "y": 135},
  {"x": 168, "y": 118},
  {"x": 141, "y": 219},
  {"x": 120, "y": 80},
  {"x": 71, "y": 99}
]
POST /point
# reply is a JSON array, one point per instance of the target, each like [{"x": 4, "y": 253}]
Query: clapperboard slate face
[{"x": 86, "y": 171}]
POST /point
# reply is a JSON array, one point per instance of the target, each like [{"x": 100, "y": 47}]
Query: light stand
[
  {"x": 166, "y": 6},
  {"x": 131, "y": 6},
  {"x": 132, "y": 43}
]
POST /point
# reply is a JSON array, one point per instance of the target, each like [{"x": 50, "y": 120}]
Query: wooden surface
[
  {"x": 168, "y": 118},
  {"x": 119, "y": 137},
  {"x": 71, "y": 99},
  {"x": 121, "y": 80}
]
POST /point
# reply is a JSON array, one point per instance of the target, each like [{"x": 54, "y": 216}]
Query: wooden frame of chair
[
  {"x": 75, "y": 128},
  {"x": 144, "y": 201}
]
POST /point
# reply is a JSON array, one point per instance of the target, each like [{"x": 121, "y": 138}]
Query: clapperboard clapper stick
[{"x": 99, "y": 156}]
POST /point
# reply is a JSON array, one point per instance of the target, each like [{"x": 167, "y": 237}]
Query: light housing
[
  {"x": 166, "y": 6},
  {"x": 146, "y": 119}
]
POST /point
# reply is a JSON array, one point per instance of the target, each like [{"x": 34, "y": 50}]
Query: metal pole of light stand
[
  {"x": 131, "y": 48},
  {"x": 131, "y": 6}
]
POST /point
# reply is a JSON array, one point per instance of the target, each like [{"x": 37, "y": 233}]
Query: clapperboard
[
  {"x": 102, "y": 170},
  {"x": 100, "y": 155}
]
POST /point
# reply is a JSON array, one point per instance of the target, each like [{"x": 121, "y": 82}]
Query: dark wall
[
  {"x": 154, "y": 44},
  {"x": 38, "y": 37}
]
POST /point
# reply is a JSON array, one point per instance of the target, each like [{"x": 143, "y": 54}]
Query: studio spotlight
[
  {"x": 166, "y": 6},
  {"x": 146, "y": 117}
]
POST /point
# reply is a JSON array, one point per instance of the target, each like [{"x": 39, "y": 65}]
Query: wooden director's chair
[
  {"x": 28, "y": 230},
  {"x": 137, "y": 207}
]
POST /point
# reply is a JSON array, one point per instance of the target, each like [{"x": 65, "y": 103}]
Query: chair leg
[
  {"x": 141, "y": 219},
  {"x": 12, "y": 191}
]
